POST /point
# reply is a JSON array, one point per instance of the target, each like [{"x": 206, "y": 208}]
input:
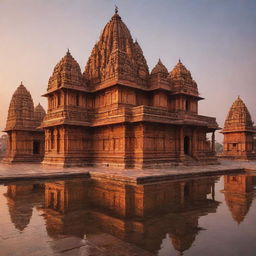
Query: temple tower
[
  {"x": 67, "y": 137},
  {"x": 238, "y": 133},
  {"x": 25, "y": 139}
]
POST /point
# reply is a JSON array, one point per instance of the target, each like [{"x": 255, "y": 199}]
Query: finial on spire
[
  {"x": 68, "y": 52},
  {"x": 116, "y": 9},
  {"x": 179, "y": 60},
  {"x": 21, "y": 83}
]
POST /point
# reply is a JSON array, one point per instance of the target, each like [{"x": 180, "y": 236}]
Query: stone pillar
[
  {"x": 213, "y": 142},
  {"x": 181, "y": 143}
]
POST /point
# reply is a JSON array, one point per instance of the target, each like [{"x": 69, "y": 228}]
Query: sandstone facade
[
  {"x": 239, "y": 133},
  {"x": 117, "y": 113}
]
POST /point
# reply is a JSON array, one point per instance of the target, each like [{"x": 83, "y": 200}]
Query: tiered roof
[{"x": 239, "y": 118}]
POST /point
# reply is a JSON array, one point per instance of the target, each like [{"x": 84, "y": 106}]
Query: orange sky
[{"x": 216, "y": 40}]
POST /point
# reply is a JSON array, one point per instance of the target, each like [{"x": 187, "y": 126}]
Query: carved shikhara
[
  {"x": 239, "y": 141},
  {"x": 118, "y": 113}
]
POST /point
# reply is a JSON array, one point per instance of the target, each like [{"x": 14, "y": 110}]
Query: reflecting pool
[{"x": 213, "y": 215}]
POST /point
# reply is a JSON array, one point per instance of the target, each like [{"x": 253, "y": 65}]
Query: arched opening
[{"x": 186, "y": 145}]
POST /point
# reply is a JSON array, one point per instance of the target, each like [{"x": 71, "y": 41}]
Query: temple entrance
[
  {"x": 36, "y": 147},
  {"x": 186, "y": 145}
]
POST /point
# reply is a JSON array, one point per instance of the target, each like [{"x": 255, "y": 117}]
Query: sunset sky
[{"x": 215, "y": 39}]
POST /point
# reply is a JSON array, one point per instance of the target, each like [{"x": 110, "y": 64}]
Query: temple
[
  {"x": 239, "y": 133},
  {"x": 25, "y": 139},
  {"x": 117, "y": 113}
]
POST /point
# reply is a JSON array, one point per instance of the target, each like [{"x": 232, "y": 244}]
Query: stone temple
[
  {"x": 117, "y": 113},
  {"x": 25, "y": 140},
  {"x": 239, "y": 132}
]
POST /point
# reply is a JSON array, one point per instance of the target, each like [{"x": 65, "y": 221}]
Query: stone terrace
[{"x": 17, "y": 172}]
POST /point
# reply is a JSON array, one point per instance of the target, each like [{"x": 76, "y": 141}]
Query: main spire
[{"x": 115, "y": 56}]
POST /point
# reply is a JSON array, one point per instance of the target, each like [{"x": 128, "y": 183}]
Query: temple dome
[
  {"x": 21, "y": 110},
  {"x": 182, "y": 80},
  {"x": 66, "y": 73},
  {"x": 238, "y": 117},
  {"x": 39, "y": 113},
  {"x": 115, "y": 56},
  {"x": 159, "y": 68}
]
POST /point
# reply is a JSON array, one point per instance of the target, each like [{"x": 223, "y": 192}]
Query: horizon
[{"x": 215, "y": 42}]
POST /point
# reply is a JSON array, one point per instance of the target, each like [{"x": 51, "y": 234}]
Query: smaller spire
[{"x": 116, "y": 9}]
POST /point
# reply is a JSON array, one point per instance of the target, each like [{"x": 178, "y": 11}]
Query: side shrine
[
  {"x": 25, "y": 140},
  {"x": 116, "y": 113},
  {"x": 239, "y": 133}
]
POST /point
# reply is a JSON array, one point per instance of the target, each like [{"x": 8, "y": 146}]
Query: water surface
[{"x": 200, "y": 216}]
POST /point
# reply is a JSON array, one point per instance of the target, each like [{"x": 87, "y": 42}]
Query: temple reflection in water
[
  {"x": 144, "y": 215},
  {"x": 239, "y": 192}
]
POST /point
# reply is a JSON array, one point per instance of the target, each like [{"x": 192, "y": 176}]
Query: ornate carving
[
  {"x": 67, "y": 73},
  {"x": 116, "y": 56},
  {"x": 238, "y": 117},
  {"x": 182, "y": 80},
  {"x": 21, "y": 111}
]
